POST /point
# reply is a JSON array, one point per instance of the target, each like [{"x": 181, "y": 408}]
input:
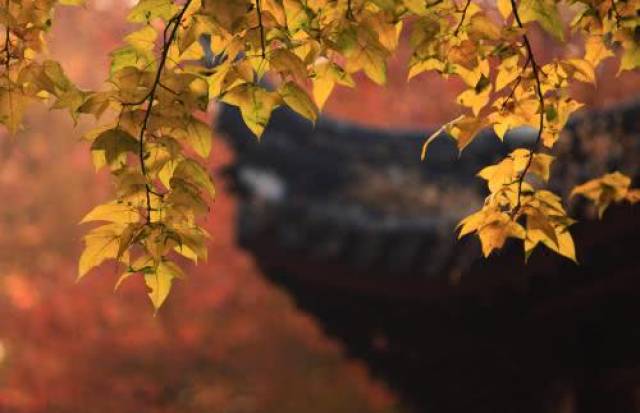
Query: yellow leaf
[
  {"x": 364, "y": 51},
  {"x": 276, "y": 10},
  {"x": 424, "y": 66},
  {"x": 114, "y": 144},
  {"x": 541, "y": 165},
  {"x": 497, "y": 228},
  {"x": 12, "y": 105},
  {"x": 198, "y": 135},
  {"x": 603, "y": 191},
  {"x": 508, "y": 71},
  {"x": 481, "y": 26},
  {"x": 504, "y": 7},
  {"x": 545, "y": 12},
  {"x": 416, "y": 6},
  {"x": 464, "y": 129},
  {"x": 298, "y": 100},
  {"x": 387, "y": 31},
  {"x": 255, "y": 103},
  {"x": 116, "y": 212},
  {"x": 584, "y": 70},
  {"x": 471, "y": 223},
  {"x": 295, "y": 14},
  {"x": 596, "y": 50},
  {"x": 191, "y": 171},
  {"x": 217, "y": 79},
  {"x": 287, "y": 63},
  {"x": 498, "y": 175},
  {"x": 631, "y": 56},
  {"x": 566, "y": 246},
  {"x": 539, "y": 228},
  {"x": 476, "y": 101},
  {"x": 147, "y": 10},
  {"x": 101, "y": 244},
  {"x": 323, "y": 82},
  {"x": 633, "y": 196},
  {"x": 562, "y": 245},
  {"x": 143, "y": 39},
  {"x": 159, "y": 282}
]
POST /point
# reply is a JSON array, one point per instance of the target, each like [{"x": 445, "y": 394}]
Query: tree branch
[
  {"x": 168, "y": 38},
  {"x": 350, "y": 15},
  {"x": 536, "y": 74},
  {"x": 464, "y": 14},
  {"x": 263, "y": 41}
]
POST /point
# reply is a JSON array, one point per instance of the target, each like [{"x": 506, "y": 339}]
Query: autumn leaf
[
  {"x": 256, "y": 105},
  {"x": 159, "y": 282},
  {"x": 545, "y": 12},
  {"x": 101, "y": 244},
  {"x": 298, "y": 100},
  {"x": 613, "y": 187}
]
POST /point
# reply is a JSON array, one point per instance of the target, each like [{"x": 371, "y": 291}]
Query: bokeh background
[{"x": 227, "y": 340}]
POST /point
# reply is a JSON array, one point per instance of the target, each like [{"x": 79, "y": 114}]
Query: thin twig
[
  {"x": 464, "y": 15},
  {"x": 515, "y": 86},
  {"x": 535, "y": 69},
  {"x": 263, "y": 41},
  {"x": 168, "y": 89},
  {"x": 151, "y": 96}
]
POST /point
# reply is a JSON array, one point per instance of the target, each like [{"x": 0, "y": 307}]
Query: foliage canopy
[{"x": 150, "y": 137}]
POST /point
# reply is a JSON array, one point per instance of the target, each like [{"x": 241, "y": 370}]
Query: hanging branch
[
  {"x": 538, "y": 86},
  {"x": 168, "y": 38}
]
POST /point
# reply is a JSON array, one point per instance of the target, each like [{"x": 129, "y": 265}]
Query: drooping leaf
[
  {"x": 298, "y": 100},
  {"x": 159, "y": 282},
  {"x": 255, "y": 103}
]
